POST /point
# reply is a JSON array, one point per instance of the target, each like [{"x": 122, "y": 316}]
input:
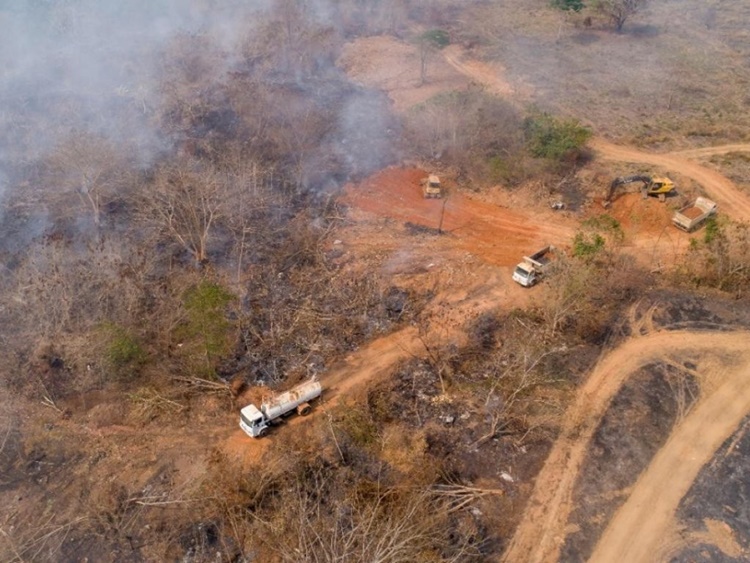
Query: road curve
[
  {"x": 731, "y": 200},
  {"x": 711, "y": 151},
  {"x": 637, "y": 529},
  {"x": 541, "y": 533}
]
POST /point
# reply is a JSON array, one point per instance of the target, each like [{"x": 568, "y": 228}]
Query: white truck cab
[
  {"x": 525, "y": 274},
  {"x": 531, "y": 269}
]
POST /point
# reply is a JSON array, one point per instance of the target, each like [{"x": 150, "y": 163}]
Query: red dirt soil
[{"x": 497, "y": 235}]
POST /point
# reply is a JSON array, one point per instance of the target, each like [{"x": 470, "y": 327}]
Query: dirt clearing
[
  {"x": 498, "y": 235},
  {"x": 731, "y": 201},
  {"x": 392, "y": 65}
]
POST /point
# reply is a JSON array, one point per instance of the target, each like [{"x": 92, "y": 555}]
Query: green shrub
[
  {"x": 123, "y": 354},
  {"x": 555, "y": 138},
  {"x": 712, "y": 230},
  {"x": 437, "y": 38},
  {"x": 207, "y": 323},
  {"x": 587, "y": 245},
  {"x": 594, "y": 235},
  {"x": 568, "y": 5},
  {"x": 607, "y": 224}
]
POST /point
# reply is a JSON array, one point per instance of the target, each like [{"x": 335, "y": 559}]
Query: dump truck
[
  {"x": 694, "y": 214},
  {"x": 431, "y": 187},
  {"x": 256, "y": 421},
  {"x": 531, "y": 269}
]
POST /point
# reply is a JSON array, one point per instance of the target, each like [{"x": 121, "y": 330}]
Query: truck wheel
[
  {"x": 263, "y": 432},
  {"x": 304, "y": 409}
]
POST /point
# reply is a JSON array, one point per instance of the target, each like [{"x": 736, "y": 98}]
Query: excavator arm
[{"x": 651, "y": 186}]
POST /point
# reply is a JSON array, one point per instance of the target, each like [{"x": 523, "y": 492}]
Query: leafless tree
[
  {"x": 89, "y": 166},
  {"x": 619, "y": 11},
  {"x": 393, "y": 526},
  {"x": 187, "y": 202}
]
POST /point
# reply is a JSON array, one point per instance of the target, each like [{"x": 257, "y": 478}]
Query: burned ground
[
  {"x": 720, "y": 493},
  {"x": 638, "y": 421},
  {"x": 316, "y": 254}
]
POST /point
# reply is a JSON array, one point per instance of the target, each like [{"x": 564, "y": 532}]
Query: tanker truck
[{"x": 256, "y": 421}]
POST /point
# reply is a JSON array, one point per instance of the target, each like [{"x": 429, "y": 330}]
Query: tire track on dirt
[
  {"x": 541, "y": 533},
  {"x": 711, "y": 151},
  {"x": 638, "y": 528},
  {"x": 476, "y": 70},
  {"x": 731, "y": 200}
]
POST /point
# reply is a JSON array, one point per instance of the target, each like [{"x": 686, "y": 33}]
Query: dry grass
[{"x": 674, "y": 77}]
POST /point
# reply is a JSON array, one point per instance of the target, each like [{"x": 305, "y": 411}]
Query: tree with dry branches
[
  {"x": 90, "y": 167},
  {"x": 187, "y": 203},
  {"x": 618, "y": 11}
]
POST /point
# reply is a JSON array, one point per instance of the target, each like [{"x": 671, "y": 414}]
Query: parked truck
[
  {"x": 256, "y": 421},
  {"x": 431, "y": 187},
  {"x": 694, "y": 214},
  {"x": 531, "y": 269}
]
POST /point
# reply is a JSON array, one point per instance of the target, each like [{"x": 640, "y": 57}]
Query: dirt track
[
  {"x": 499, "y": 235},
  {"x": 477, "y": 71},
  {"x": 636, "y": 530},
  {"x": 732, "y": 202}
]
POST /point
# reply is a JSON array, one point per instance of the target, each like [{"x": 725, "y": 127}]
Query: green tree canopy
[
  {"x": 555, "y": 138},
  {"x": 568, "y": 5}
]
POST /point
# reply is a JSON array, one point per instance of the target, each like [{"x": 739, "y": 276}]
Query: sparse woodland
[{"x": 168, "y": 241}]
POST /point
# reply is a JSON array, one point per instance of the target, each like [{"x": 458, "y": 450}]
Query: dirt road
[
  {"x": 711, "y": 151},
  {"x": 732, "y": 202},
  {"x": 541, "y": 533},
  {"x": 635, "y": 533},
  {"x": 477, "y": 71},
  {"x": 638, "y": 529}
]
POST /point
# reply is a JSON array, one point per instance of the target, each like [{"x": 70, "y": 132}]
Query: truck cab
[
  {"x": 252, "y": 421},
  {"x": 525, "y": 274}
]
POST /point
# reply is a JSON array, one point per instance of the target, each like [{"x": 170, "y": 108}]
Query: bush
[
  {"x": 596, "y": 232},
  {"x": 587, "y": 245},
  {"x": 711, "y": 232},
  {"x": 207, "y": 324},
  {"x": 123, "y": 354},
  {"x": 555, "y": 138},
  {"x": 436, "y": 38}
]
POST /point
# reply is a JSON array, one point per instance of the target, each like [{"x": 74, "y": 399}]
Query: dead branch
[
  {"x": 200, "y": 384},
  {"x": 47, "y": 402}
]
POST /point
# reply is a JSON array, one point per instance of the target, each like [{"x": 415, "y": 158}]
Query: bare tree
[
  {"x": 187, "y": 204},
  {"x": 619, "y": 11},
  {"x": 90, "y": 167},
  {"x": 393, "y": 526},
  {"x": 429, "y": 42}
]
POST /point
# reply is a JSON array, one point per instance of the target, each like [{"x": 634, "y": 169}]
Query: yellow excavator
[{"x": 658, "y": 187}]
